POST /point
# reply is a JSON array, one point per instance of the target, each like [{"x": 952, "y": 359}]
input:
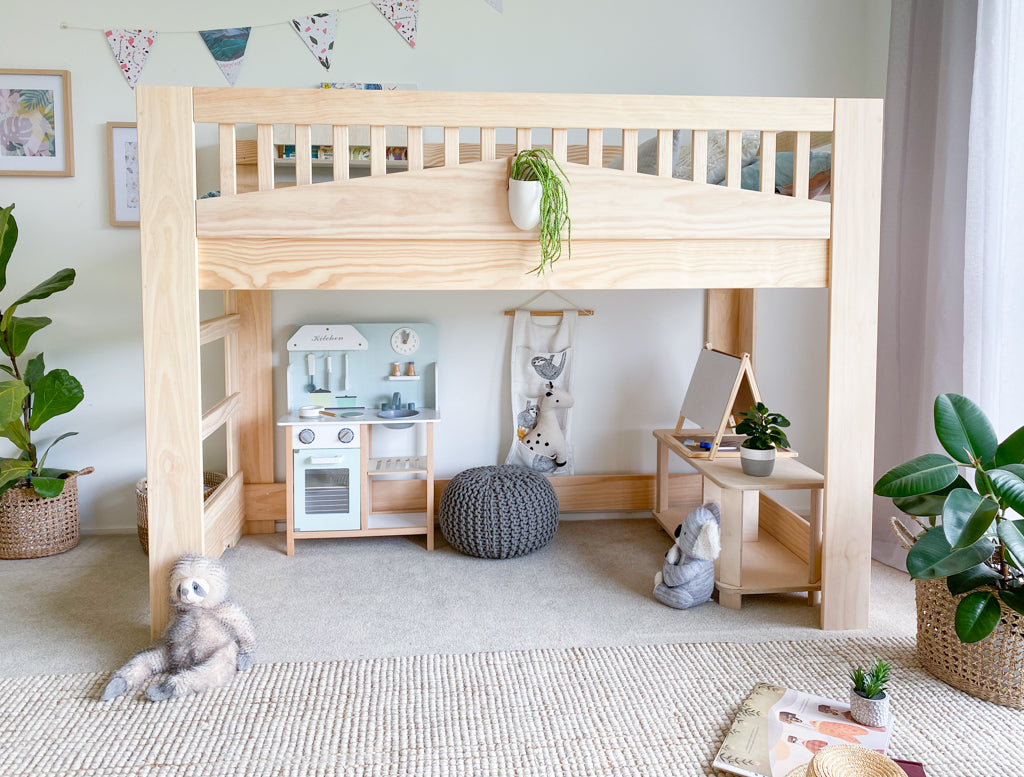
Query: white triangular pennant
[
  {"x": 131, "y": 50},
  {"x": 496, "y": 5},
  {"x": 318, "y": 32},
  {"x": 402, "y": 15},
  {"x": 227, "y": 47}
]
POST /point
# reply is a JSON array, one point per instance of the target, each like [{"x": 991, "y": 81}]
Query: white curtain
[{"x": 952, "y": 248}]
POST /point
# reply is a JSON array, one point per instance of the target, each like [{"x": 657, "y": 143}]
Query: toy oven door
[{"x": 326, "y": 485}]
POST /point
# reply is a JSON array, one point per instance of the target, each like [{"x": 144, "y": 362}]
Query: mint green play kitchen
[{"x": 353, "y": 390}]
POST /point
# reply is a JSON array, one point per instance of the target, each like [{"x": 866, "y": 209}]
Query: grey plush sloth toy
[{"x": 209, "y": 640}]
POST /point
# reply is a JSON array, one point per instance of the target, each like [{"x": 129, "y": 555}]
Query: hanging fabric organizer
[{"x": 542, "y": 370}]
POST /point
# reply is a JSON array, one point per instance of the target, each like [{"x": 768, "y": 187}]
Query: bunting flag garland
[
  {"x": 131, "y": 50},
  {"x": 228, "y": 49},
  {"x": 496, "y": 5},
  {"x": 402, "y": 15},
  {"x": 318, "y": 32}
]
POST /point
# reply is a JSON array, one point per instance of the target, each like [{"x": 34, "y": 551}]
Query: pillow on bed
[
  {"x": 682, "y": 162},
  {"x": 820, "y": 173}
]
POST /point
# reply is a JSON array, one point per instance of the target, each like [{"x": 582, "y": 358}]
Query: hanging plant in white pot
[{"x": 537, "y": 196}]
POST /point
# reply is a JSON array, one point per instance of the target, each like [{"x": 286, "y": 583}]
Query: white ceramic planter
[
  {"x": 757, "y": 463},
  {"x": 869, "y": 712},
  {"x": 524, "y": 203}
]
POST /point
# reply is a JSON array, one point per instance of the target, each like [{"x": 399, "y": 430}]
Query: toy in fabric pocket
[
  {"x": 546, "y": 439},
  {"x": 687, "y": 577},
  {"x": 208, "y": 642}
]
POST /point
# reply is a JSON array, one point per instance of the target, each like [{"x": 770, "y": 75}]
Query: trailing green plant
[
  {"x": 32, "y": 396},
  {"x": 972, "y": 538},
  {"x": 539, "y": 164},
  {"x": 871, "y": 683},
  {"x": 762, "y": 428}
]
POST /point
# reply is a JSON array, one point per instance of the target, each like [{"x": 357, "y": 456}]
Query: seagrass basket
[
  {"x": 210, "y": 482},
  {"x": 33, "y": 526},
  {"x": 992, "y": 669}
]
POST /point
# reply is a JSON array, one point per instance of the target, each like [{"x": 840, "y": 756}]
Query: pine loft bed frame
[{"x": 446, "y": 227}]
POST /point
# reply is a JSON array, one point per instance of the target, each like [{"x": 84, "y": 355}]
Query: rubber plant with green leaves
[
  {"x": 540, "y": 165},
  {"x": 31, "y": 396},
  {"x": 973, "y": 537}
]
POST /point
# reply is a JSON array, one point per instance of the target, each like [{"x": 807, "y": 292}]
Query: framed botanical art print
[
  {"x": 123, "y": 162},
  {"x": 35, "y": 123}
]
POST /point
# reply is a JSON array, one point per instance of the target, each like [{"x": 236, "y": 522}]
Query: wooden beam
[
  {"x": 216, "y": 328},
  {"x": 223, "y": 516},
  {"x": 256, "y": 383},
  {"x": 730, "y": 321},
  {"x": 220, "y": 414}
]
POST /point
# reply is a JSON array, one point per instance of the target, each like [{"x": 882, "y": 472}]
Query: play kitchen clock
[{"x": 405, "y": 341}]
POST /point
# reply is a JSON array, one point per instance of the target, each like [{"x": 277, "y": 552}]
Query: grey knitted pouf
[{"x": 498, "y": 511}]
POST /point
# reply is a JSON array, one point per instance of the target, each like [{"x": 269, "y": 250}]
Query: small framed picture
[
  {"x": 123, "y": 162},
  {"x": 35, "y": 123}
]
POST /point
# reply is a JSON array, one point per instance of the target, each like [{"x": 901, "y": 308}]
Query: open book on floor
[{"x": 778, "y": 729}]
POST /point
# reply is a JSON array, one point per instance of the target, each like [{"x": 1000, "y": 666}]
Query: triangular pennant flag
[
  {"x": 496, "y": 5},
  {"x": 318, "y": 31},
  {"x": 131, "y": 50},
  {"x": 402, "y": 15},
  {"x": 228, "y": 48}
]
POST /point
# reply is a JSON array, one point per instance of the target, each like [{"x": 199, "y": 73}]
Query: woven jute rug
[{"x": 647, "y": 710}]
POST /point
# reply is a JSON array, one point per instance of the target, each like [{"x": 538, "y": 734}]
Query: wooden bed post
[
  {"x": 170, "y": 328},
  {"x": 852, "y": 353}
]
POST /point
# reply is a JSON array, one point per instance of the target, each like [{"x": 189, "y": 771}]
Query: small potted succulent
[
  {"x": 536, "y": 195},
  {"x": 869, "y": 703},
  {"x": 763, "y": 429}
]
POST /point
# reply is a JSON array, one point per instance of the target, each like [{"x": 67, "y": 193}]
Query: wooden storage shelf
[
  {"x": 397, "y": 465},
  {"x": 380, "y": 523}
]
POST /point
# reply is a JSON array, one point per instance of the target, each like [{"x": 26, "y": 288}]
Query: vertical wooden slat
[
  {"x": 767, "y": 161},
  {"x": 730, "y": 321},
  {"x": 228, "y": 157},
  {"x": 665, "y": 153},
  {"x": 265, "y": 156},
  {"x": 524, "y": 138},
  {"x": 560, "y": 145},
  {"x": 430, "y": 485},
  {"x": 699, "y": 149},
  {"x": 629, "y": 149},
  {"x": 595, "y": 147},
  {"x": 255, "y": 357},
  {"x": 733, "y": 158},
  {"x": 414, "y": 140},
  {"x": 366, "y": 485},
  {"x": 170, "y": 335},
  {"x": 451, "y": 146},
  {"x": 378, "y": 150},
  {"x": 850, "y": 393},
  {"x": 802, "y": 165},
  {"x": 339, "y": 138},
  {"x": 289, "y": 514},
  {"x": 488, "y": 144},
  {"x": 303, "y": 155}
]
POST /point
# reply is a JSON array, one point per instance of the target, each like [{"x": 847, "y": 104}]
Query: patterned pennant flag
[
  {"x": 131, "y": 50},
  {"x": 318, "y": 32},
  {"x": 496, "y": 5},
  {"x": 402, "y": 15},
  {"x": 228, "y": 48}
]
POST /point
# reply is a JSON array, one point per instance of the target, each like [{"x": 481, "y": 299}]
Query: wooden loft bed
[{"x": 630, "y": 231}]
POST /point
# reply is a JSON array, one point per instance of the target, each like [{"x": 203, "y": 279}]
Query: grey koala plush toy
[
  {"x": 687, "y": 577},
  {"x": 209, "y": 640}
]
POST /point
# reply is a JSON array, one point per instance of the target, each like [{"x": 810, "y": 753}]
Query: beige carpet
[{"x": 646, "y": 711}]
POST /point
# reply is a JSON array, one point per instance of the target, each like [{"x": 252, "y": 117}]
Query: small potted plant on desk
[
  {"x": 764, "y": 436},
  {"x": 869, "y": 704},
  {"x": 536, "y": 195}
]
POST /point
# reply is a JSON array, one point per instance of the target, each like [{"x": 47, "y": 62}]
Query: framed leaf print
[
  {"x": 123, "y": 168},
  {"x": 35, "y": 123}
]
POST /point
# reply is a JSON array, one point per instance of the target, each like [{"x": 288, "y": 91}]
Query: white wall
[{"x": 635, "y": 356}]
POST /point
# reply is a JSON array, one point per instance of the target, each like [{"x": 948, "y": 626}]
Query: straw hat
[{"x": 849, "y": 761}]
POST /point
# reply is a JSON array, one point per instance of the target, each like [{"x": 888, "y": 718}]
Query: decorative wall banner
[
  {"x": 228, "y": 49},
  {"x": 131, "y": 50},
  {"x": 402, "y": 15},
  {"x": 496, "y": 5},
  {"x": 318, "y": 32}
]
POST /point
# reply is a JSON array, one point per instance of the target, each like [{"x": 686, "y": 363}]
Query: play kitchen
[{"x": 344, "y": 382}]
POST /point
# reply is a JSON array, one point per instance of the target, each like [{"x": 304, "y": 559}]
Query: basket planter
[
  {"x": 33, "y": 526},
  {"x": 210, "y": 482}
]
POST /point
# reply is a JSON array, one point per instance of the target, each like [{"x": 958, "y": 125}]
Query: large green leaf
[
  {"x": 976, "y": 616},
  {"x": 8, "y": 237},
  {"x": 34, "y": 370},
  {"x": 929, "y": 504},
  {"x": 1011, "y": 450},
  {"x": 963, "y": 429},
  {"x": 42, "y": 459},
  {"x": 975, "y": 577},
  {"x": 966, "y": 517},
  {"x": 12, "y": 394},
  {"x": 48, "y": 487},
  {"x": 16, "y": 432},
  {"x": 1013, "y": 541},
  {"x": 924, "y": 475},
  {"x": 57, "y": 392},
  {"x": 13, "y": 470},
  {"x": 1009, "y": 487},
  {"x": 1013, "y": 598},
  {"x": 933, "y": 557},
  {"x": 59, "y": 281},
  {"x": 19, "y": 331}
]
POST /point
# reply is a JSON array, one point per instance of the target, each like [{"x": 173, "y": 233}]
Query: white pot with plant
[
  {"x": 537, "y": 197},
  {"x": 764, "y": 437},
  {"x": 869, "y": 703}
]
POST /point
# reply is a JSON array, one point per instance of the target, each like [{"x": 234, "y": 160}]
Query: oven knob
[
  {"x": 306, "y": 436},
  {"x": 346, "y": 435}
]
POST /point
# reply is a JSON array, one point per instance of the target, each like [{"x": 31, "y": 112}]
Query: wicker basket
[
  {"x": 210, "y": 482},
  {"x": 992, "y": 669},
  {"x": 32, "y": 526}
]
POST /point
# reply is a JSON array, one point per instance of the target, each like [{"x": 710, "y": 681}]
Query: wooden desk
[{"x": 766, "y": 548}]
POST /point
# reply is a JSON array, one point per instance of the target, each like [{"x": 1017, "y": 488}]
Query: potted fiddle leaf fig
[
  {"x": 537, "y": 196},
  {"x": 29, "y": 397},
  {"x": 764, "y": 436}
]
